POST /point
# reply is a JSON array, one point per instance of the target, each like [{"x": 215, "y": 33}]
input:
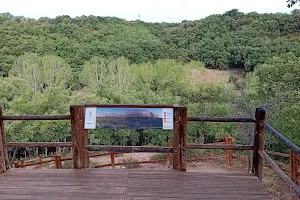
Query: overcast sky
[{"x": 149, "y": 10}]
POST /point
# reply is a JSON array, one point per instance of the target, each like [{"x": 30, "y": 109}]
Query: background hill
[{"x": 233, "y": 39}]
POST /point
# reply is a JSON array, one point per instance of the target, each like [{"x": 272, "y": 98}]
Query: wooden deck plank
[
  {"x": 42, "y": 184},
  {"x": 65, "y": 197}
]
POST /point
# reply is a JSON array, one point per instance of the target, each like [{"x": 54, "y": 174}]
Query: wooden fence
[
  {"x": 81, "y": 149},
  {"x": 294, "y": 163},
  {"x": 58, "y": 159}
]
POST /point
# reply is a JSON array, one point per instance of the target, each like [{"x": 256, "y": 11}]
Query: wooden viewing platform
[
  {"x": 85, "y": 183},
  {"x": 135, "y": 184}
]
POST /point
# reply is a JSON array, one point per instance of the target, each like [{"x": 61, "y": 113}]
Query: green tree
[{"x": 275, "y": 84}]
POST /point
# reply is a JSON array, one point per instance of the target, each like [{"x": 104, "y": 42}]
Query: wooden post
[
  {"x": 57, "y": 159},
  {"x": 168, "y": 155},
  {"x": 84, "y": 140},
  {"x": 112, "y": 159},
  {"x": 74, "y": 131},
  {"x": 294, "y": 167},
  {"x": 230, "y": 156},
  {"x": 4, "y": 164},
  {"x": 227, "y": 151},
  {"x": 22, "y": 163},
  {"x": 79, "y": 137},
  {"x": 16, "y": 164},
  {"x": 183, "y": 138},
  {"x": 257, "y": 161},
  {"x": 176, "y": 132}
]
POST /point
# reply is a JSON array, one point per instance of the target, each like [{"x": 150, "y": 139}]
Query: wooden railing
[
  {"x": 294, "y": 152},
  {"x": 57, "y": 159},
  {"x": 179, "y": 147},
  {"x": 259, "y": 155},
  {"x": 294, "y": 160}
]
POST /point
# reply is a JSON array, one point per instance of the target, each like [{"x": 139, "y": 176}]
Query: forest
[{"x": 50, "y": 63}]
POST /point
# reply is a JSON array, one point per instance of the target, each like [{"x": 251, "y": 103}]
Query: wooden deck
[{"x": 92, "y": 184}]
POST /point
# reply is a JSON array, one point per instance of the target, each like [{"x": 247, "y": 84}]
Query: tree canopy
[
  {"x": 291, "y": 3},
  {"x": 50, "y": 63},
  {"x": 229, "y": 40}
]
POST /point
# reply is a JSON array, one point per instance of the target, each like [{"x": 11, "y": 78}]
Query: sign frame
[{"x": 122, "y": 116}]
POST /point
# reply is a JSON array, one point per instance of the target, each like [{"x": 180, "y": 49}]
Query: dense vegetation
[
  {"x": 233, "y": 39},
  {"x": 48, "y": 64}
]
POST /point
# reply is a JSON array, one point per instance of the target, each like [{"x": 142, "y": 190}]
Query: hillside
[{"x": 233, "y": 39}]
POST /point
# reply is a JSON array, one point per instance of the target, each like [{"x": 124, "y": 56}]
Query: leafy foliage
[
  {"x": 275, "y": 84},
  {"x": 233, "y": 39},
  {"x": 48, "y": 64}
]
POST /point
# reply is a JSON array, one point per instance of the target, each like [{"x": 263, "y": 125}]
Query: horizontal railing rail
[
  {"x": 35, "y": 117},
  {"x": 219, "y": 119},
  {"x": 282, "y": 139},
  {"x": 277, "y": 154},
  {"x": 220, "y": 146},
  {"x": 280, "y": 173},
  {"x": 128, "y": 149},
  {"x": 39, "y": 144}
]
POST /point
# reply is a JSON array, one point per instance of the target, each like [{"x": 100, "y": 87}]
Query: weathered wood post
[
  {"x": 176, "y": 133},
  {"x": 259, "y": 130},
  {"x": 22, "y": 164},
  {"x": 294, "y": 167},
  {"x": 183, "y": 138},
  {"x": 79, "y": 137},
  {"x": 57, "y": 159},
  {"x": 16, "y": 164},
  {"x": 229, "y": 152},
  {"x": 112, "y": 159},
  {"x": 180, "y": 139},
  {"x": 4, "y": 164},
  {"x": 230, "y": 156}
]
